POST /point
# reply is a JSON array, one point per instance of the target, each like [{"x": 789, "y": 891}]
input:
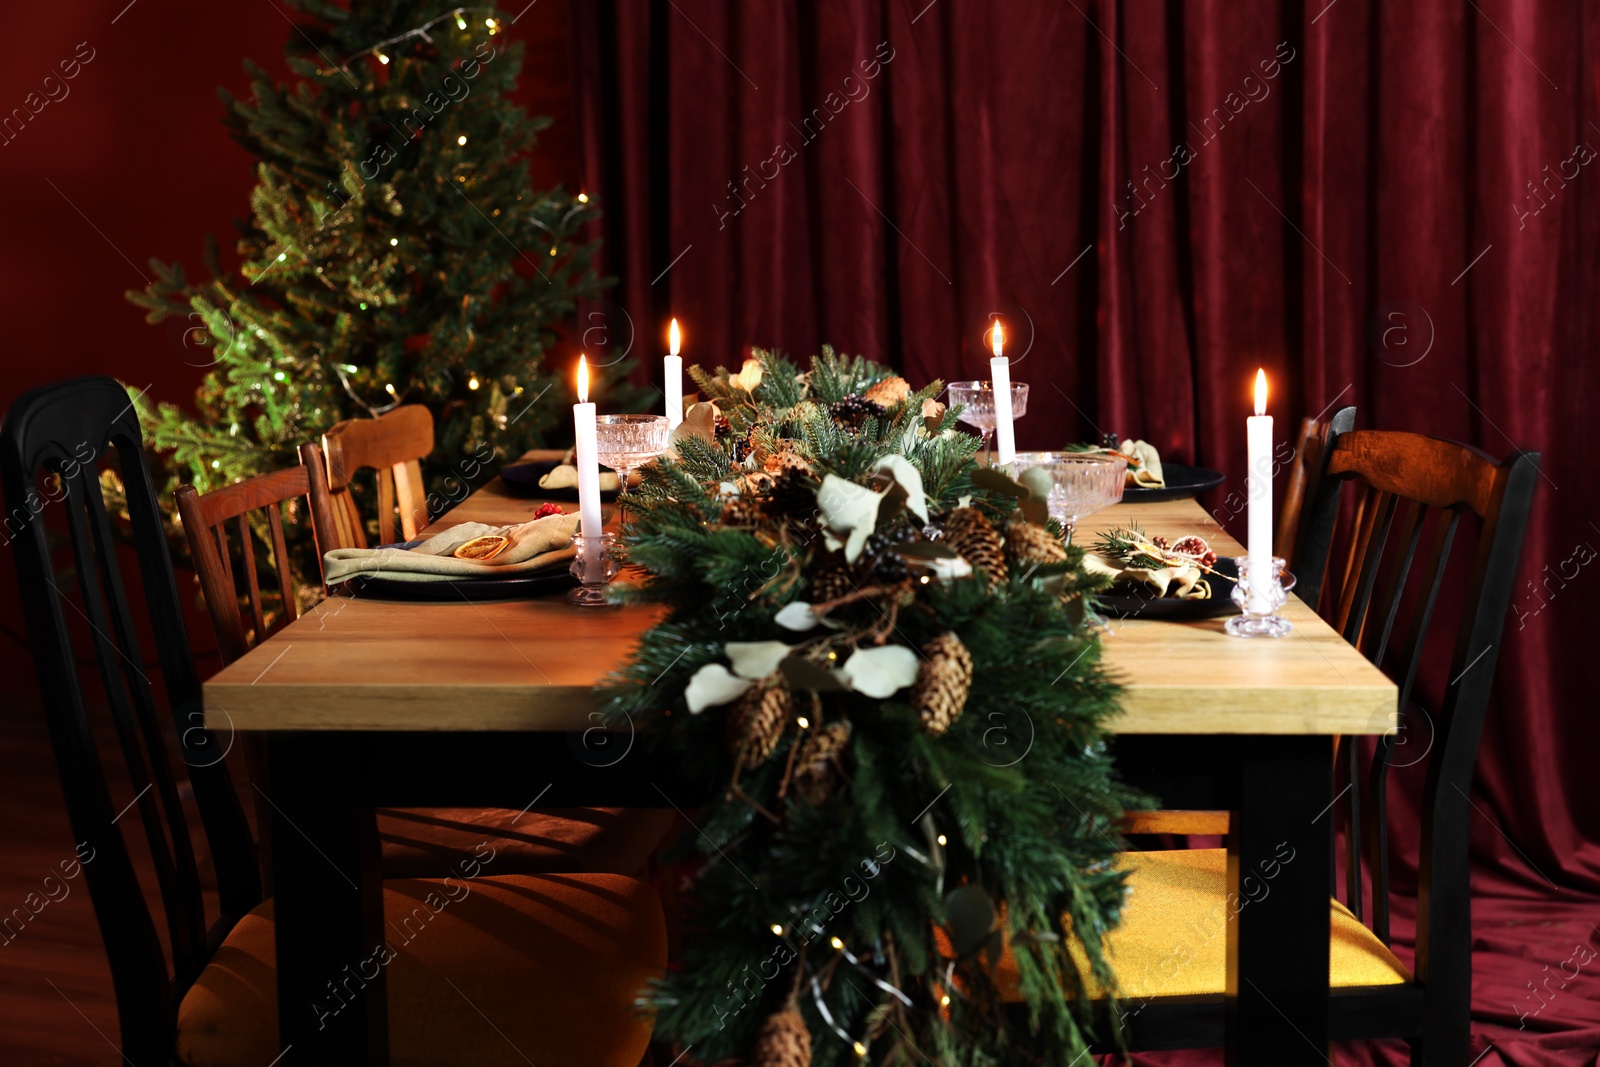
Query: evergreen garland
[{"x": 822, "y": 871}]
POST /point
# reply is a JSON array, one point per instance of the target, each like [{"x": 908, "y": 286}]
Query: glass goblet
[
  {"x": 1081, "y": 483},
  {"x": 626, "y": 442},
  {"x": 977, "y": 406}
]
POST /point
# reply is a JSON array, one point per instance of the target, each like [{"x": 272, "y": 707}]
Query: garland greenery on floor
[{"x": 880, "y": 665}]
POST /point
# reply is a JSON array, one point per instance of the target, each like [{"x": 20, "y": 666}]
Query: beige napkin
[
  {"x": 538, "y": 545},
  {"x": 566, "y": 477},
  {"x": 1148, "y": 474},
  {"x": 1183, "y": 582}
]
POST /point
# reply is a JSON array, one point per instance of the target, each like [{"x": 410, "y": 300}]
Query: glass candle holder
[
  {"x": 1252, "y": 621},
  {"x": 594, "y": 566}
]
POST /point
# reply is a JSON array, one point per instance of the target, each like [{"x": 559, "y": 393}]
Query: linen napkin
[
  {"x": 535, "y": 546},
  {"x": 1147, "y": 475},
  {"x": 1182, "y": 581}
]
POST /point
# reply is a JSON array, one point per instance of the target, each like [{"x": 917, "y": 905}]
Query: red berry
[{"x": 549, "y": 509}]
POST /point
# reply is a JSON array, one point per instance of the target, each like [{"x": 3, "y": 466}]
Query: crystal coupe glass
[
  {"x": 1081, "y": 483},
  {"x": 625, "y": 442},
  {"x": 977, "y": 400}
]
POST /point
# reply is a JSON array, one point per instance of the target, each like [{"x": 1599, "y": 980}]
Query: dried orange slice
[{"x": 482, "y": 548}]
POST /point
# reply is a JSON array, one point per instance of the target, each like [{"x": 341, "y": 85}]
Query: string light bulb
[
  {"x": 461, "y": 23},
  {"x": 861, "y": 1050},
  {"x": 393, "y": 241},
  {"x": 944, "y": 1001},
  {"x": 942, "y": 840},
  {"x": 583, "y": 198},
  {"x": 805, "y": 723},
  {"x": 462, "y": 139},
  {"x": 836, "y": 943},
  {"x": 382, "y": 58},
  {"x": 552, "y": 250},
  {"x": 389, "y": 388},
  {"x": 493, "y": 26},
  {"x": 777, "y": 928},
  {"x": 472, "y": 382}
]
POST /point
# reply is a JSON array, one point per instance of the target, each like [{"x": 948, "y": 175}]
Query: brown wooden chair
[
  {"x": 417, "y": 842},
  {"x": 392, "y": 445},
  {"x": 1408, "y": 491}
]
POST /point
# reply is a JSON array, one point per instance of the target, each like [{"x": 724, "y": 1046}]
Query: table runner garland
[{"x": 882, "y": 666}]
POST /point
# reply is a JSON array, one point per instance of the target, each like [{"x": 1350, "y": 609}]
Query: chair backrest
[
  {"x": 205, "y": 525},
  {"x": 50, "y": 444},
  {"x": 1304, "y": 532},
  {"x": 1386, "y": 606},
  {"x": 392, "y": 445}
]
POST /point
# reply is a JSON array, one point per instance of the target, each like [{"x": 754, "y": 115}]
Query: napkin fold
[
  {"x": 535, "y": 546},
  {"x": 565, "y": 476},
  {"x": 1144, "y": 472},
  {"x": 1183, "y": 581}
]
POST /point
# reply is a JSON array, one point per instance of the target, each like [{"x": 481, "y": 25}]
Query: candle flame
[
  {"x": 997, "y": 339},
  {"x": 675, "y": 340},
  {"x": 1261, "y": 391},
  {"x": 583, "y": 380}
]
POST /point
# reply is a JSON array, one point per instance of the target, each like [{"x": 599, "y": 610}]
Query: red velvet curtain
[{"x": 1385, "y": 204}]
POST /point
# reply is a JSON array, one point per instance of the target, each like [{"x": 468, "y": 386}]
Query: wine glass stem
[
  {"x": 622, "y": 495},
  {"x": 988, "y": 458}
]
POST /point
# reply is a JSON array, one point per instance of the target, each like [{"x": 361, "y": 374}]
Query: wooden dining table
[{"x": 368, "y": 702}]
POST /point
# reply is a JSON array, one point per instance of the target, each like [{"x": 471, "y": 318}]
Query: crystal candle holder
[
  {"x": 1251, "y": 622},
  {"x": 594, "y": 566}
]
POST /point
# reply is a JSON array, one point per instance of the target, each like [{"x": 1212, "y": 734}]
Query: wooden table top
[{"x": 358, "y": 663}]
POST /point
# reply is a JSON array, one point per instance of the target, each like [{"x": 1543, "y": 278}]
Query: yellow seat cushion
[
  {"x": 545, "y": 969},
  {"x": 1173, "y": 938}
]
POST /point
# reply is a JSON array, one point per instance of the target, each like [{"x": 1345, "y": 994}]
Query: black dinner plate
[
  {"x": 1183, "y": 483},
  {"x": 1136, "y": 606},
  {"x": 523, "y": 480},
  {"x": 458, "y": 589}
]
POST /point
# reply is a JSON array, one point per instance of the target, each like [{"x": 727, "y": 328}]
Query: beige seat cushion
[
  {"x": 431, "y": 842},
  {"x": 485, "y": 971}
]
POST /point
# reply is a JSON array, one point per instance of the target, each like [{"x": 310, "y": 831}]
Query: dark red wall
[{"x": 132, "y": 162}]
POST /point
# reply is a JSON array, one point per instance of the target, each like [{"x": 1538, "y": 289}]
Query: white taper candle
[
  {"x": 1258, "y": 438},
  {"x": 673, "y": 386},
  {"x": 1000, "y": 379}
]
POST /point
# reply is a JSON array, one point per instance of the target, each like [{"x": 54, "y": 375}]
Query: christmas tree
[{"x": 396, "y": 253}]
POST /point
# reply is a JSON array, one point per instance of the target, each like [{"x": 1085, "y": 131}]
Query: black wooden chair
[
  {"x": 1385, "y": 603},
  {"x": 554, "y": 960}
]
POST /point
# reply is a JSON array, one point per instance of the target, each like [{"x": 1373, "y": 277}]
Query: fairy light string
[{"x": 378, "y": 50}]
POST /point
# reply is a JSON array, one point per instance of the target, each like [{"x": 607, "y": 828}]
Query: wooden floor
[{"x": 56, "y": 1001}]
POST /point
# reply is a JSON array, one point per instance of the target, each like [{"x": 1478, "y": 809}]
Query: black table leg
[
  {"x": 328, "y": 892},
  {"x": 1278, "y": 870}
]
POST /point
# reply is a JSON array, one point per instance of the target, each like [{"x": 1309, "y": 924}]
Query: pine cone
[
  {"x": 1027, "y": 543},
  {"x": 818, "y": 764},
  {"x": 943, "y": 682},
  {"x": 975, "y": 538},
  {"x": 830, "y": 585},
  {"x": 783, "y": 1041},
  {"x": 757, "y": 723},
  {"x": 889, "y": 392},
  {"x": 793, "y": 492}
]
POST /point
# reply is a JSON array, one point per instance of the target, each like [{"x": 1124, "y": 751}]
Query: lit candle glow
[
  {"x": 674, "y": 376},
  {"x": 1000, "y": 381}
]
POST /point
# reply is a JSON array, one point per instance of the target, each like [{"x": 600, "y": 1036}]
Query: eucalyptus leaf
[
  {"x": 972, "y": 918},
  {"x": 756, "y": 659},
  {"x": 797, "y": 615},
  {"x": 849, "y": 509},
  {"x": 711, "y": 685},
  {"x": 996, "y": 482},
  {"x": 1038, "y": 482},
  {"x": 910, "y": 480},
  {"x": 880, "y": 672}
]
